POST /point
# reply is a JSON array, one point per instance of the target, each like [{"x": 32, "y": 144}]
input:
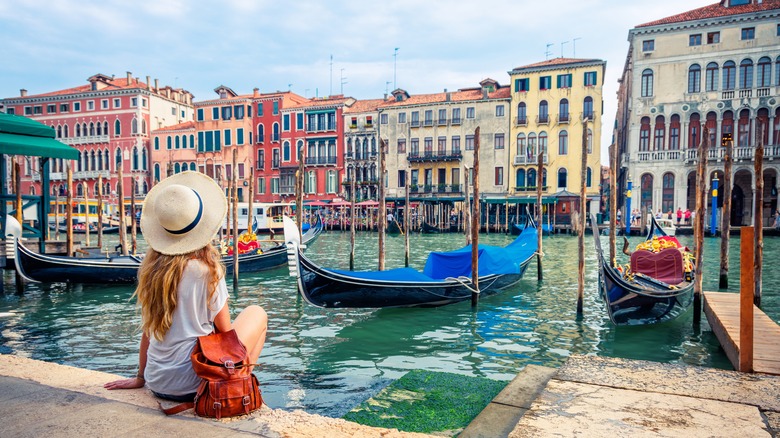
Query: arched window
[
  {"x": 78, "y": 130},
  {"x": 659, "y": 133},
  {"x": 135, "y": 158},
  {"x": 674, "y": 133},
  {"x": 143, "y": 126},
  {"x": 106, "y": 159},
  {"x": 694, "y": 78},
  {"x": 520, "y": 177},
  {"x": 693, "y": 131},
  {"x": 764, "y": 78},
  {"x": 177, "y": 142},
  {"x": 79, "y": 190},
  {"x": 84, "y": 131},
  {"x": 590, "y": 141},
  {"x": 105, "y": 128},
  {"x": 521, "y": 146},
  {"x": 184, "y": 142},
  {"x": 543, "y": 112},
  {"x": 192, "y": 166},
  {"x": 667, "y": 195},
  {"x": 286, "y": 151},
  {"x": 134, "y": 127},
  {"x": 531, "y": 178},
  {"x": 143, "y": 158},
  {"x": 260, "y": 133},
  {"x": 92, "y": 161},
  {"x": 727, "y": 125},
  {"x": 59, "y": 131},
  {"x": 729, "y": 75},
  {"x": 777, "y": 82},
  {"x": 99, "y": 128},
  {"x": 587, "y": 108},
  {"x": 299, "y": 150},
  {"x": 762, "y": 126},
  {"x": 646, "y": 192},
  {"x": 712, "y": 127},
  {"x": 647, "y": 83},
  {"x": 532, "y": 144},
  {"x": 276, "y": 132},
  {"x": 589, "y": 178},
  {"x": 563, "y": 142},
  {"x": 145, "y": 188},
  {"x": 65, "y": 133},
  {"x": 644, "y": 134},
  {"x": 563, "y": 110},
  {"x": 543, "y": 142},
  {"x": 562, "y": 177},
  {"x": 156, "y": 172},
  {"x": 744, "y": 128},
  {"x": 192, "y": 141},
  {"x": 746, "y": 74},
  {"x": 168, "y": 144},
  {"x": 157, "y": 143},
  {"x": 117, "y": 128},
  {"x": 91, "y": 129},
  {"x": 100, "y": 160},
  {"x": 776, "y": 136},
  {"x": 522, "y": 116}
]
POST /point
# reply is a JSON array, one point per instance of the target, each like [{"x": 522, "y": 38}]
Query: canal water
[{"x": 327, "y": 361}]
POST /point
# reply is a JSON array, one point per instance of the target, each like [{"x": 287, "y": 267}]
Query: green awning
[
  {"x": 23, "y": 136},
  {"x": 525, "y": 200}
]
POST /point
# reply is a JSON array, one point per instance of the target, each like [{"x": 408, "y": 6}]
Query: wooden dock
[{"x": 722, "y": 310}]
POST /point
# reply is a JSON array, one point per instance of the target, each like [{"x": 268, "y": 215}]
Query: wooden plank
[{"x": 723, "y": 311}]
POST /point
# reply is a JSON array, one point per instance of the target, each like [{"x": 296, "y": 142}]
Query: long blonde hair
[{"x": 158, "y": 284}]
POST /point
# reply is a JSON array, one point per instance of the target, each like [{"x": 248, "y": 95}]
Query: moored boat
[
  {"x": 657, "y": 286},
  {"x": 446, "y": 278}
]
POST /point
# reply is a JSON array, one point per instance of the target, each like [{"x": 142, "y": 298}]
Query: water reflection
[{"x": 327, "y": 361}]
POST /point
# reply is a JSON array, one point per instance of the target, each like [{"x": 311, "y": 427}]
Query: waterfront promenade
[{"x": 588, "y": 396}]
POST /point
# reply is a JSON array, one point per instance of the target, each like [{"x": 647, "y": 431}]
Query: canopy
[{"x": 22, "y": 136}]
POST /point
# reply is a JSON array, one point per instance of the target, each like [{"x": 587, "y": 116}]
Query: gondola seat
[{"x": 666, "y": 265}]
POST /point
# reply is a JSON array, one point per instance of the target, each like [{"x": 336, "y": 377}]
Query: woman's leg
[{"x": 251, "y": 325}]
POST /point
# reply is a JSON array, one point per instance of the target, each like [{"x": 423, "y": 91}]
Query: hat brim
[{"x": 213, "y": 216}]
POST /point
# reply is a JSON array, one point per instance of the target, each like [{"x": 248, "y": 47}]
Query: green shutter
[{"x": 240, "y": 136}]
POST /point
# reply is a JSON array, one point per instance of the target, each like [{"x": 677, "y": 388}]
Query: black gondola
[
  {"x": 124, "y": 269},
  {"x": 639, "y": 298},
  {"x": 394, "y": 228},
  {"x": 428, "y": 228},
  {"x": 446, "y": 278}
]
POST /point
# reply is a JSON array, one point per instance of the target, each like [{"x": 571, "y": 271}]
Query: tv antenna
[
  {"x": 574, "y": 47},
  {"x": 343, "y": 81},
  {"x": 547, "y": 51},
  {"x": 564, "y": 42}
]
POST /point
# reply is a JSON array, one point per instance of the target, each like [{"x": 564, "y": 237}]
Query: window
[
  {"x": 238, "y": 112},
  {"x": 777, "y": 72},
  {"x": 259, "y": 109},
  {"x": 228, "y": 138},
  {"x": 531, "y": 145},
  {"x": 659, "y": 133},
  {"x": 104, "y": 104},
  {"x": 521, "y": 85},
  {"x": 240, "y": 135},
  {"x": 260, "y": 133},
  {"x": 521, "y": 146},
  {"x": 37, "y": 109},
  {"x": 470, "y": 112},
  {"x": 589, "y": 178},
  {"x": 428, "y": 117},
  {"x": 383, "y": 119},
  {"x": 748, "y": 33},
  {"x": 694, "y": 78},
  {"x": 456, "y": 144},
  {"x": 51, "y": 109},
  {"x": 286, "y": 151},
  {"x": 647, "y": 83},
  {"x": 667, "y": 197},
  {"x": 90, "y": 105},
  {"x": 563, "y": 110},
  {"x": 545, "y": 82},
  {"x": 562, "y": 176},
  {"x": 227, "y": 113},
  {"x": 563, "y": 143},
  {"x": 415, "y": 118},
  {"x": 693, "y": 129},
  {"x": 764, "y": 78},
  {"x": 215, "y": 113},
  {"x": 499, "y": 110},
  {"x": 694, "y": 40},
  {"x": 729, "y": 75},
  {"x": 157, "y": 143},
  {"x": 674, "y": 133},
  {"x": 543, "y": 112},
  {"x": 117, "y": 103},
  {"x": 590, "y": 78},
  {"x": 285, "y": 122},
  {"x": 587, "y": 108},
  {"x": 648, "y": 45},
  {"x": 117, "y": 128},
  {"x": 415, "y": 146},
  {"x": 275, "y": 133},
  {"x": 76, "y": 106},
  {"x": 134, "y": 102},
  {"x": 644, "y": 135},
  {"x": 746, "y": 74},
  {"x": 564, "y": 81},
  {"x": 401, "y": 117},
  {"x": 200, "y": 114},
  {"x": 401, "y": 148},
  {"x": 498, "y": 141},
  {"x": 441, "y": 148},
  {"x": 12, "y": 111},
  {"x": 711, "y": 78},
  {"x": 442, "y": 116},
  {"x": 499, "y": 176},
  {"x": 713, "y": 37},
  {"x": 64, "y": 107},
  {"x": 469, "y": 142},
  {"x": 543, "y": 142},
  {"x": 428, "y": 145},
  {"x": 276, "y": 108},
  {"x": 299, "y": 121}
]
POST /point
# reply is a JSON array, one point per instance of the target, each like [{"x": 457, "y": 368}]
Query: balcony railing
[
  {"x": 275, "y": 137},
  {"x": 442, "y": 122},
  {"x": 361, "y": 182},
  {"x": 275, "y": 164},
  {"x": 727, "y": 94},
  {"x": 521, "y": 121},
  {"x": 522, "y": 160},
  {"x": 429, "y": 122},
  {"x": 456, "y": 121},
  {"x": 320, "y": 161},
  {"x": 745, "y": 93},
  {"x": 675, "y": 155},
  {"x": 89, "y": 174},
  {"x": 261, "y": 138},
  {"x": 739, "y": 153},
  {"x": 261, "y": 165},
  {"x": 762, "y": 92},
  {"x": 415, "y": 123},
  {"x": 528, "y": 188},
  {"x": 436, "y": 188},
  {"x": 542, "y": 120},
  {"x": 85, "y": 140},
  {"x": 452, "y": 155},
  {"x": 563, "y": 118}
]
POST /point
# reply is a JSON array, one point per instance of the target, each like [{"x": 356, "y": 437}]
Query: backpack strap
[{"x": 177, "y": 408}]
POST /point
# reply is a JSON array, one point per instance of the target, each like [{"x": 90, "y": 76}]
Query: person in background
[
  {"x": 658, "y": 214},
  {"x": 669, "y": 215},
  {"x": 181, "y": 287},
  {"x": 687, "y": 216},
  {"x": 679, "y": 215}
]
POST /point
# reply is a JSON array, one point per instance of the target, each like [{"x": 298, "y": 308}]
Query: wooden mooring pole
[
  {"x": 407, "y": 229},
  {"x": 613, "y": 200},
  {"x": 759, "y": 215},
  {"x": 746, "y": 281},
  {"x": 539, "y": 170},
  {"x": 352, "y": 222},
  {"x": 121, "y": 197},
  {"x": 69, "y": 213},
  {"x": 698, "y": 226},
  {"x": 234, "y": 215},
  {"x": 133, "y": 220},
  {"x": 725, "y": 227},
  {"x": 475, "y": 226},
  {"x": 582, "y": 217},
  {"x": 381, "y": 223},
  {"x": 86, "y": 213},
  {"x": 250, "y": 217},
  {"x": 100, "y": 212}
]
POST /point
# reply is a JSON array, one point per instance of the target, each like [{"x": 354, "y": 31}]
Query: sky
[{"x": 313, "y": 48}]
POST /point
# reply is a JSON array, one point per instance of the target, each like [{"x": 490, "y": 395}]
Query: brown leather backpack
[{"x": 228, "y": 388}]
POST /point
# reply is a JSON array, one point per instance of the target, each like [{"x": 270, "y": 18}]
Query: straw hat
[{"x": 182, "y": 213}]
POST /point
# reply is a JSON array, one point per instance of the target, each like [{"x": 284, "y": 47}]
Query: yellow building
[{"x": 550, "y": 102}]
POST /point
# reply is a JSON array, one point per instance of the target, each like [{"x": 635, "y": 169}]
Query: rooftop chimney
[
  {"x": 484, "y": 93},
  {"x": 129, "y": 77},
  {"x": 255, "y": 92},
  {"x": 148, "y": 84},
  {"x": 23, "y": 92},
  {"x": 156, "y": 86}
]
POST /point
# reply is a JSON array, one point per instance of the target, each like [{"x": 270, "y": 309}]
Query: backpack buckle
[{"x": 230, "y": 366}]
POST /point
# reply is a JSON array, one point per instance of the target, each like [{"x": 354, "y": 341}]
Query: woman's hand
[{"x": 131, "y": 383}]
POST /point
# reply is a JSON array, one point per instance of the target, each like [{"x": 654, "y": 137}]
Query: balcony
[
  {"x": 85, "y": 140},
  {"x": 275, "y": 164},
  {"x": 524, "y": 160},
  {"x": 543, "y": 120},
  {"x": 90, "y": 174},
  {"x": 363, "y": 182},
  {"x": 261, "y": 138},
  {"x": 415, "y": 123},
  {"x": 529, "y": 188},
  {"x": 588, "y": 116},
  {"x": 442, "y": 122},
  {"x": 727, "y": 94},
  {"x": 563, "y": 118},
  {"x": 762, "y": 92},
  {"x": 745, "y": 93},
  {"x": 286, "y": 190},
  {"x": 417, "y": 156},
  {"x": 429, "y": 122},
  {"x": 741, "y": 153},
  {"x": 261, "y": 165},
  {"x": 275, "y": 138},
  {"x": 655, "y": 156},
  {"x": 320, "y": 161},
  {"x": 456, "y": 121},
  {"x": 521, "y": 121}
]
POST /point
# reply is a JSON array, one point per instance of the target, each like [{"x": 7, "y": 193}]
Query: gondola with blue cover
[
  {"x": 655, "y": 289},
  {"x": 446, "y": 278}
]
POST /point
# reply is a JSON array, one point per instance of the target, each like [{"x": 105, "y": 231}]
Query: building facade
[
  {"x": 109, "y": 120},
  {"x": 716, "y": 67},
  {"x": 361, "y": 142},
  {"x": 552, "y": 101}
]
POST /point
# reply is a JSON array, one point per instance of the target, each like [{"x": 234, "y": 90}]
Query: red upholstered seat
[{"x": 666, "y": 265}]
